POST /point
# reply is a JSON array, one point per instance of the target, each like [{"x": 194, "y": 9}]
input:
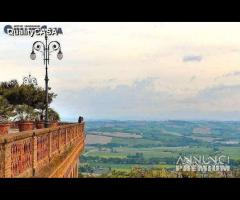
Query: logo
[
  {"x": 31, "y": 30},
  {"x": 203, "y": 163}
]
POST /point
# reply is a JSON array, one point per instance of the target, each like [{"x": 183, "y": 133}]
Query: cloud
[
  {"x": 235, "y": 73},
  {"x": 219, "y": 92},
  {"x": 140, "y": 102},
  {"x": 228, "y": 75},
  {"x": 216, "y": 94},
  {"x": 192, "y": 58},
  {"x": 136, "y": 101},
  {"x": 217, "y": 101}
]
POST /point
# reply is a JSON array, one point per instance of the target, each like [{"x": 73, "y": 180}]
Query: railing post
[
  {"x": 59, "y": 137},
  {"x": 66, "y": 131},
  {"x": 70, "y": 135},
  {"x": 50, "y": 145},
  {"x": 7, "y": 160},
  {"x": 34, "y": 153},
  {"x": 65, "y": 138}
]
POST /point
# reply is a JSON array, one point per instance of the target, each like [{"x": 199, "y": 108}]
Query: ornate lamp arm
[
  {"x": 55, "y": 46},
  {"x": 36, "y": 46}
]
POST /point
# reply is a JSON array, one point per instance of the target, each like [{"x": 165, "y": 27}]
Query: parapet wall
[{"x": 39, "y": 153}]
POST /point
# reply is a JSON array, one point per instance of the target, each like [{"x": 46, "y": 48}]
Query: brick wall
[{"x": 29, "y": 153}]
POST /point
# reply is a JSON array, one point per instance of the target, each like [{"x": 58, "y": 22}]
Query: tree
[
  {"x": 6, "y": 110},
  {"x": 25, "y": 94},
  {"x": 53, "y": 115},
  {"x": 26, "y": 98},
  {"x": 8, "y": 85}
]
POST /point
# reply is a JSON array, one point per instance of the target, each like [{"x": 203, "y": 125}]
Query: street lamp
[
  {"x": 46, "y": 49},
  {"x": 29, "y": 80},
  {"x": 33, "y": 55}
]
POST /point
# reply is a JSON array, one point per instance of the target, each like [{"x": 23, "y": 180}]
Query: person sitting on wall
[{"x": 80, "y": 119}]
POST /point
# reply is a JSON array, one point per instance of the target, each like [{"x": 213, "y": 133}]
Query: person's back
[{"x": 80, "y": 119}]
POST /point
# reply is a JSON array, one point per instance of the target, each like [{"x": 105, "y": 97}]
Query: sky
[{"x": 135, "y": 70}]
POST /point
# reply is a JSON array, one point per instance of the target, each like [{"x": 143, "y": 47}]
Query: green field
[
  {"x": 161, "y": 144},
  {"x": 128, "y": 167},
  {"x": 233, "y": 152}
]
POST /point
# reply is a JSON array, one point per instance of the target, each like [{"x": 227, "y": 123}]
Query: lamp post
[
  {"x": 46, "y": 49},
  {"x": 29, "y": 80}
]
